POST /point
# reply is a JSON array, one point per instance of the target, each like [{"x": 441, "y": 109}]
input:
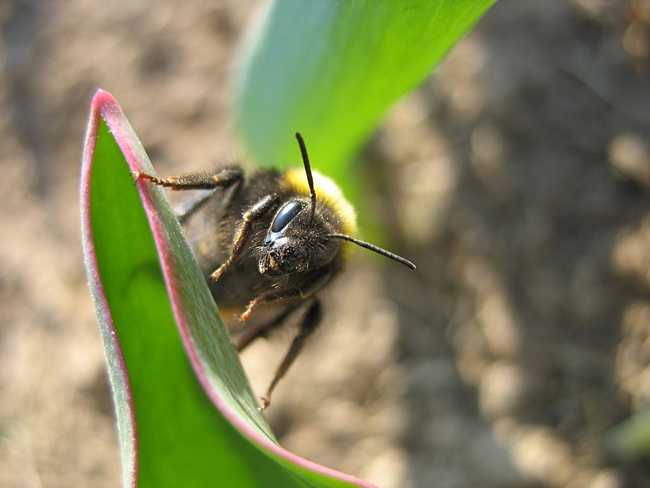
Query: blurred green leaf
[
  {"x": 631, "y": 438},
  {"x": 330, "y": 69}
]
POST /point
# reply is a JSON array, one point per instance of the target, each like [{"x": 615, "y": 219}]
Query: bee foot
[
  {"x": 139, "y": 175},
  {"x": 265, "y": 404},
  {"x": 247, "y": 313},
  {"x": 217, "y": 274}
]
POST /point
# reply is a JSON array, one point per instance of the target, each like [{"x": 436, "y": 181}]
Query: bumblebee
[{"x": 275, "y": 240}]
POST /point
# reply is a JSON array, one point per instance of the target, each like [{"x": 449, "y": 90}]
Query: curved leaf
[{"x": 155, "y": 313}]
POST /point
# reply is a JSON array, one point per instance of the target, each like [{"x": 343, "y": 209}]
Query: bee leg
[
  {"x": 223, "y": 179},
  {"x": 261, "y": 330},
  {"x": 196, "y": 181},
  {"x": 309, "y": 324},
  {"x": 243, "y": 234},
  {"x": 284, "y": 294}
]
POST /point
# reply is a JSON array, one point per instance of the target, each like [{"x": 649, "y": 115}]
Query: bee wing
[{"x": 190, "y": 204}]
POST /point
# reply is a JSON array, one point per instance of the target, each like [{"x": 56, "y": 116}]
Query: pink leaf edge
[{"x": 102, "y": 104}]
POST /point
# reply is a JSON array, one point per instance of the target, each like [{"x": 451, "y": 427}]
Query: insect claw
[
  {"x": 247, "y": 313},
  {"x": 249, "y": 310},
  {"x": 139, "y": 175},
  {"x": 217, "y": 273},
  {"x": 265, "y": 404}
]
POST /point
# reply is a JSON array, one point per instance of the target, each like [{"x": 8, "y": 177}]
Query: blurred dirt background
[{"x": 517, "y": 178}]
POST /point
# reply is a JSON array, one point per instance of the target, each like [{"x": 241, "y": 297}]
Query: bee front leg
[
  {"x": 243, "y": 234},
  {"x": 196, "y": 181},
  {"x": 262, "y": 330},
  {"x": 226, "y": 178},
  {"x": 315, "y": 283},
  {"x": 307, "y": 327}
]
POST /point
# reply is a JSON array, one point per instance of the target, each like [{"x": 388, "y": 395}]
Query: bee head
[
  {"x": 301, "y": 238},
  {"x": 296, "y": 241}
]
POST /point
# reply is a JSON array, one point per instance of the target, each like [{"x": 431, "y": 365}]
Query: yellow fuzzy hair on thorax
[{"x": 327, "y": 192}]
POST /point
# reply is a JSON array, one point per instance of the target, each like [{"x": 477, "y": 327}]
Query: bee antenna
[
  {"x": 374, "y": 248},
  {"x": 310, "y": 178}
]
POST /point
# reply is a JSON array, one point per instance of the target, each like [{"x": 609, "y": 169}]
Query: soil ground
[{"x": 517, "y": 178}]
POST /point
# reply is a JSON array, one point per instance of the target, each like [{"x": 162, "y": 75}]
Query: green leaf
[
  {"x": 630, "y": 439},
  {"x": 330, "y": 69},
  {"x": 169, "y": 356}
]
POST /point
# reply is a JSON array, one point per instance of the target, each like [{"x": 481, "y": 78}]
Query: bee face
[{"x": 296, "y": 241}]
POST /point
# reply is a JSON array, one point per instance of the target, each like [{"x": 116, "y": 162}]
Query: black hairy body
[{"x": 211, "y": 230}]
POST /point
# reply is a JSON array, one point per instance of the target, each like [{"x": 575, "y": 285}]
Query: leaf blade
[{"x": 179, "y": 439}]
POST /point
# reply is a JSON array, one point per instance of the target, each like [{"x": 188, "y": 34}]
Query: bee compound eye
[{"x": 286, "y": 214}]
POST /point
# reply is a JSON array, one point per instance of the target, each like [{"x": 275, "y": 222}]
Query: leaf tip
[{"x": 103, "y": 98}]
